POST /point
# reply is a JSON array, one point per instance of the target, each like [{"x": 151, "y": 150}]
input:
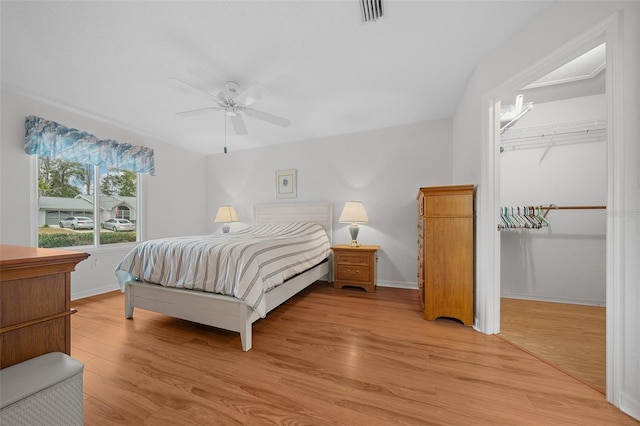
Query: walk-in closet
[{"x": 553, "y": 193}]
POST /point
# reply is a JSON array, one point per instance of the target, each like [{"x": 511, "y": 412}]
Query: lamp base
[
  {"x": 225, "y": 228},
  {"x": 353, "y": 230}
]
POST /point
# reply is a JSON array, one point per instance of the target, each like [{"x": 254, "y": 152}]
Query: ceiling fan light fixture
[
  {"x": 235, "y": 105},
  {"x": 232, "y": 86}
]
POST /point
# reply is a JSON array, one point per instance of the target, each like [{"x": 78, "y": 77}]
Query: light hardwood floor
[
  {"x": 571, "y": 337},
  {"x": 326, "y": 357}
]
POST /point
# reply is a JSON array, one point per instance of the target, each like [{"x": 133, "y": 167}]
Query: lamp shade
[
  {"x": 353, "y": 212},
  {"x": 226, "y": 214}
]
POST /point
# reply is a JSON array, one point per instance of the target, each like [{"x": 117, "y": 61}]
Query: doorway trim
[{"x": 488, "y": 197}]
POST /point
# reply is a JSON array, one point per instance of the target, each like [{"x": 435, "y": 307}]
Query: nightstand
[{"x": 355, "y": 266}]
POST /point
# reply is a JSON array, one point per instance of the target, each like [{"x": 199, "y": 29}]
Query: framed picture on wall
[{"x": 286, "y": 184}]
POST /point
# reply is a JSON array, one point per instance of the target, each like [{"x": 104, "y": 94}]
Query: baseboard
[
  {"x": 630, "y": 406},
  {"x": 94, "y": 292},
  {"x": 552, "y": 299},
  {"x": 397, "y": 284}
]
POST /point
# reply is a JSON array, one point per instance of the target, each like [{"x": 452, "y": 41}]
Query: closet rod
[{"x": 554, "y": 207}]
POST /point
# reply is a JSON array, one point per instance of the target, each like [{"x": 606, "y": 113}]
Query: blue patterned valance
[{"x": 50, "y": 139}]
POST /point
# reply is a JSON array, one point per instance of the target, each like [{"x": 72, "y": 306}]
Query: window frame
[{"x": 141, "y": 211}]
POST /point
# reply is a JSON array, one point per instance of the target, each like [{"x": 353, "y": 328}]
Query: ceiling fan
[{"x": 233, "y": 103}]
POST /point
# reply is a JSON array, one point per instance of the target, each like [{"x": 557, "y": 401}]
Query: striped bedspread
[{"x": 244, "y": 264}]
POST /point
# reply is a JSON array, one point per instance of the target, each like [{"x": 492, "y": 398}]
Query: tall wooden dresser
[
  {"x": 446, "y": 252},
  {"x": 35, "y": 302}
]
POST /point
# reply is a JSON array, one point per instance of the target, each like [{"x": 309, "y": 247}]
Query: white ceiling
[
  {"x": 321, "y": 67},
  {"x": 584, "y": 67},
  {"x": 583, "y": 76}
]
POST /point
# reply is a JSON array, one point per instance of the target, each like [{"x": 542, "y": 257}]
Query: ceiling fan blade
[
  {"x": 211, "y": 95},
  {"x": 197, "y": 111},
  {"x": 250, "y": 95},
  {"x": 273, "y": 119},
  {"x": 238, "y": 124}
]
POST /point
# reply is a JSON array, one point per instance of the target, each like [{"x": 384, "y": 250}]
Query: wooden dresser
[
  {"x": 35, "y": 302},
  {"x": 446, "y": 252},
  {"x": 355, "y": 266}
]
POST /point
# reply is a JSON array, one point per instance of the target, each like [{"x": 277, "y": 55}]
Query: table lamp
[
  {"x": 354, "y": 213},
  {"x": 226, "y": 214}
]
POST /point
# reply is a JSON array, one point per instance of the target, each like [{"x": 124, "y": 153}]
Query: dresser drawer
[
  {"x": 46, "y": 296},
  {"x": 29, "y": 342}
]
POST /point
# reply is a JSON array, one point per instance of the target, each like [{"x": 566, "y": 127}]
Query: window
[
  {"x": 123, "y": 213},
  {"x": 87, "y": 187},
  {"x": 70, "y": 211}
]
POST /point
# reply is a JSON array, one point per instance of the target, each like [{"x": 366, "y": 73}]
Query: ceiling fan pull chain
[{"x": 225, "y": 132}]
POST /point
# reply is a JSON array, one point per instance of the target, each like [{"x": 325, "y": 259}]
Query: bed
[{"x": 222, "y": 310}]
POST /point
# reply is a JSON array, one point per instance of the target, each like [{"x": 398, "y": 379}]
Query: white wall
[
  {"x": 566, "y": 261},
  {"x": 536, "y": 43},
  {"x": 174, "y": 197},
  {"x": 382, "y": 168}
]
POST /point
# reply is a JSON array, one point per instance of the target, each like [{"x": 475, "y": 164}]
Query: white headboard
[{"x": 318, "y": 211}]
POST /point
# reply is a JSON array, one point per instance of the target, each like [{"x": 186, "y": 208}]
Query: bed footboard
[{"x": 210, "y": 309}]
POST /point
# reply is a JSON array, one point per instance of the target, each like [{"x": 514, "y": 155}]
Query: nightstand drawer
[
  {"x": 352, "y": 259},
  {"x": 353, "y": 273}
]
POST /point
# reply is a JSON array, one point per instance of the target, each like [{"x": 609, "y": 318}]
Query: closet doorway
[{"x": 553, "y": 193}]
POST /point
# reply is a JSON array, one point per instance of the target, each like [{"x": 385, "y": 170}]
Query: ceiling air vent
[{"x": 371, "y": 10}]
